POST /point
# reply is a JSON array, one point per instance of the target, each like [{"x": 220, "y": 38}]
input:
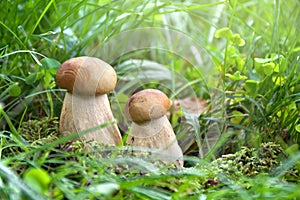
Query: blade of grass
[
  {"x": 39, "y": 20},
  {"x": 16, "y": 181}
]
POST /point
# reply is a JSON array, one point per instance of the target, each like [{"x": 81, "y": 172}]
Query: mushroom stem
[
  {"x": 153, "y": 134},
  {"x": 78, "y": 114}
]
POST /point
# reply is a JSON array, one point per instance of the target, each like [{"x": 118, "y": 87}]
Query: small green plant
[
  {"x": 37, "y": 179},
  {"x": 251, "y": 101}
]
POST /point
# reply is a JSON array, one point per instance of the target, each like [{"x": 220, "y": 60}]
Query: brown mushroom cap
[
  {"x": 148, "y": 104},
  {"x": 87, "y": 76}
]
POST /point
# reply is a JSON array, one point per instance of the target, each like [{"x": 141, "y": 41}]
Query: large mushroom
[
  {"x": 87, "y": 81},
  {"x": 150, "y": 126}
]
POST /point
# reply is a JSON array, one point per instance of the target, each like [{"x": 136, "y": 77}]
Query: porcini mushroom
[
  {"x": 87, "y": 81},
  {"x": 150, "y": 126}
]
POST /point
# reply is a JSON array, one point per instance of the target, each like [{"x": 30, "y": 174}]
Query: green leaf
[
  {"x": 51, "y": 64},
  {"x": 236, "y": 39},
  {"x": 1, "y": 108},
  {"x": 47, "y": 79},
  {"x": 279, "y": 80},
  {"x": 265, "y": 60},
  {"x": 296, "y": 49},
  {"x": 32, "y": 78},
  {"x": 237, "y": 116},
  {"x": 240, "y": 62},
  {"x": 38, "y": 179},
  {"x": 281, "y": 66},
  {"x": 297, "y": 128},
  {"x": 223, "y": 33},
  {"x": 251, "y": 86},
  {"x": 236, "y": 76},
  {"x": 294, "y": 148},
  {"x": 268, "y": 68},
  {"x": 262, "y": 60},
  {"x": 15, "y": 90}
]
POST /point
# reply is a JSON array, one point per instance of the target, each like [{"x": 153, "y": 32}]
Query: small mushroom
[
  {"x": 87, "y": 81},
  {"x": 150, "y": 126}
]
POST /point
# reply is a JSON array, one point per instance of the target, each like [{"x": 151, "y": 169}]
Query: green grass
[{"x": 179, "y": 47}]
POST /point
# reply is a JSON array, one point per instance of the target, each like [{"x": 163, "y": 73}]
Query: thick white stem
[
  {"x": 157, "y": 134},
  {"x": 83, "y": 112}
]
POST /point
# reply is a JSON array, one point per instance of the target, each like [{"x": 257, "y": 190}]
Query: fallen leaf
[{"x": 192, "y": 105}]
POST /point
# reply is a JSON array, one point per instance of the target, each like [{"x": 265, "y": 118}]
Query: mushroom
[
  {"x": 150, "y": 126},
  {"x": 87, "y": 81}
]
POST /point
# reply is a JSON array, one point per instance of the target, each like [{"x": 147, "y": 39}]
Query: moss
[
  {"x": 248, "y": 162},
  {"x": 44, "y": 129}
]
